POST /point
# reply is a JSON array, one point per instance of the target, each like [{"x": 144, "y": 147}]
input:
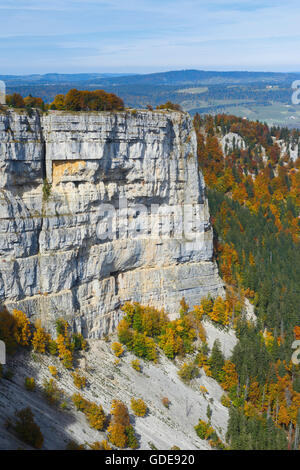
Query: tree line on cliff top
[{"x": 74, "y": 100}]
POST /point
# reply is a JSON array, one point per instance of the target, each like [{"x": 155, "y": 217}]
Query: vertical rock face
[{"x": 122, "y": 217}]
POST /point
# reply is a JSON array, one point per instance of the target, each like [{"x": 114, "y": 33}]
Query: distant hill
[
  {"x": 265, "y": 96},
  {"x": 53, "y": 78},
  {"x": 180, "y": 77}
]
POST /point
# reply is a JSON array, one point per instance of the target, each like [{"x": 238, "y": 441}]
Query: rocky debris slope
[
  {"x": 57, "y": 170},
  {"x": 161, "y": 427}
]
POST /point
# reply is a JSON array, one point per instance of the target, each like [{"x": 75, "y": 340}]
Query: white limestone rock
[
  {"x": 232, "y": 141},
  {"x": 54, "y": 258}
]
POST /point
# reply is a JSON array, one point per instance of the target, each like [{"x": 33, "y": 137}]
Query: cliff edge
[{"x": 100, "y": 208}]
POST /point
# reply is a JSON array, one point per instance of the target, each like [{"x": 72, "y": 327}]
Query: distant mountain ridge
[
  {"x": 170, "y": 77},
  {"x": 54, "y": 78},
  {"x": 265, "y": 96}
]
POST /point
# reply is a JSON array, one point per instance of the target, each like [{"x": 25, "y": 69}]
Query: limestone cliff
[{"x": 55, "y": 257}]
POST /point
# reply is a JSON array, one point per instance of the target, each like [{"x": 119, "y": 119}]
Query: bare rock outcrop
[{"x": 100, "y": 208}]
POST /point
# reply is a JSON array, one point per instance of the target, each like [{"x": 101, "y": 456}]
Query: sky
[{"x": 143, "y": 36}]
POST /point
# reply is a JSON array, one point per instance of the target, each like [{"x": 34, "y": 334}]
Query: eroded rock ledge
[{"x": 52, "y": 261}]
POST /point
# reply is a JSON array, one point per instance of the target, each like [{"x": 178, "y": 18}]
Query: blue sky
[{"x": 69, "y": 36}]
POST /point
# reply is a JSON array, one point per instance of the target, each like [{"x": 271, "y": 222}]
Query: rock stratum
[{"x": 62, "y": 177}]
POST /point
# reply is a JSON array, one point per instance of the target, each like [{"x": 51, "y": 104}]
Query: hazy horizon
[
  {"x": 151, "y": 71},
  {"x": 148, "y": 36}
]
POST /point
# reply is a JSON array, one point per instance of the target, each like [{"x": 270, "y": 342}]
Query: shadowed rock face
[{"x": 55, "y": 257}]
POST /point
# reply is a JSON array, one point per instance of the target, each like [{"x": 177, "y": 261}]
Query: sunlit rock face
[{"x": 123, "y": 216}]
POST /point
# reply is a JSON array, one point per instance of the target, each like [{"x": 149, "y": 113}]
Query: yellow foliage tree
[
  {"x": 95, "y": 416},
  {"x": 230, "y": 375},
  {"x": 53, "y": 371},
  {"x": 117, "y": 435},
  {"x": 103, "y": 445},
  {"x": 117, "y": 349},
  {"x": 40, "y": 340},
  {"x": 21, "y": 329},
  {"x": 64, "y": 353},
  {"x": 79, "y": 380},
  {"x": 136, "y": 364},
  {"x": 118, "y": 424},
  {"x": 138, "y": 406}
]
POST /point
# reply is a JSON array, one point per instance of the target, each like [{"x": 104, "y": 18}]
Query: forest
[
  {"x": 73, "y": 100},
  {"x": 254, "y": 199}
]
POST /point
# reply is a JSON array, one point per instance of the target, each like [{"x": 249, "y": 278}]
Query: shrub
[
  {"x": 27, "y": 430},
  {"x": 52, "y": 347},
  {"x": 201, "y": 358},
  {"x": 146, "y": 320},
  {"x": 170, "y": 106},
  {"x": 93, "y": 412},
  {"x": 166, "y": 402},
  {"x": 79, "y": 380},
  {"x": 124, "y": 333},
  {"x": 152, "y": 446},
  {"x": 216, "y": 361},
  {"x": 119, "y": 423},
  {"x": 58, "y": 102},
  {"x": 132, "y": 441},
  {"x": 139, "y": 407},
  {"x": 15, "y": 100},
  {"x": 171, "y": 343},
  {"x": 207, "y": 370},
  {"x": 184, "y": 307},
  {"x": 103, "y": 445},
  {"x": 120, "y": 413},
  {"x": 40, "y": 340},
  {"x": 29, "y": 384},
  {"x": 96, "y": 100},
  {"x": 225, "y": 400},
  {"x": 21, "y": 329},
  {"x": 117, "y": 435},
  {"x": 204, "y": 430},
  {"x": 143, "y": 327},
  {"x": 187, "y": 372},
  {"x": 34, "y": 102},
  {"x": 136, "y": 364},
  {"x": 7, "y": 325},
  {"x": 64, "y": 352},
  {"x": 209, "y": 413},
  {"x": 46, "y": 190},
  {"x": 78, "y": 343},
  {"x": 95, "y": 416},
  {"x": 117, "y": 349},
  {"x": 140, "y": 344},
  {"x": 207, "y": 304},
  {"x": 203, "y": 390},
  {"x": 61, "y": 327},
  {"x": 53, "y": 371},
  {"x": 79, "y": 401},
  {"x": 143, "y": 346},
  {"x": 178, "y": 335},
  {"x": 51, "y": 392},
  {"x": 201, "y": 332}
]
